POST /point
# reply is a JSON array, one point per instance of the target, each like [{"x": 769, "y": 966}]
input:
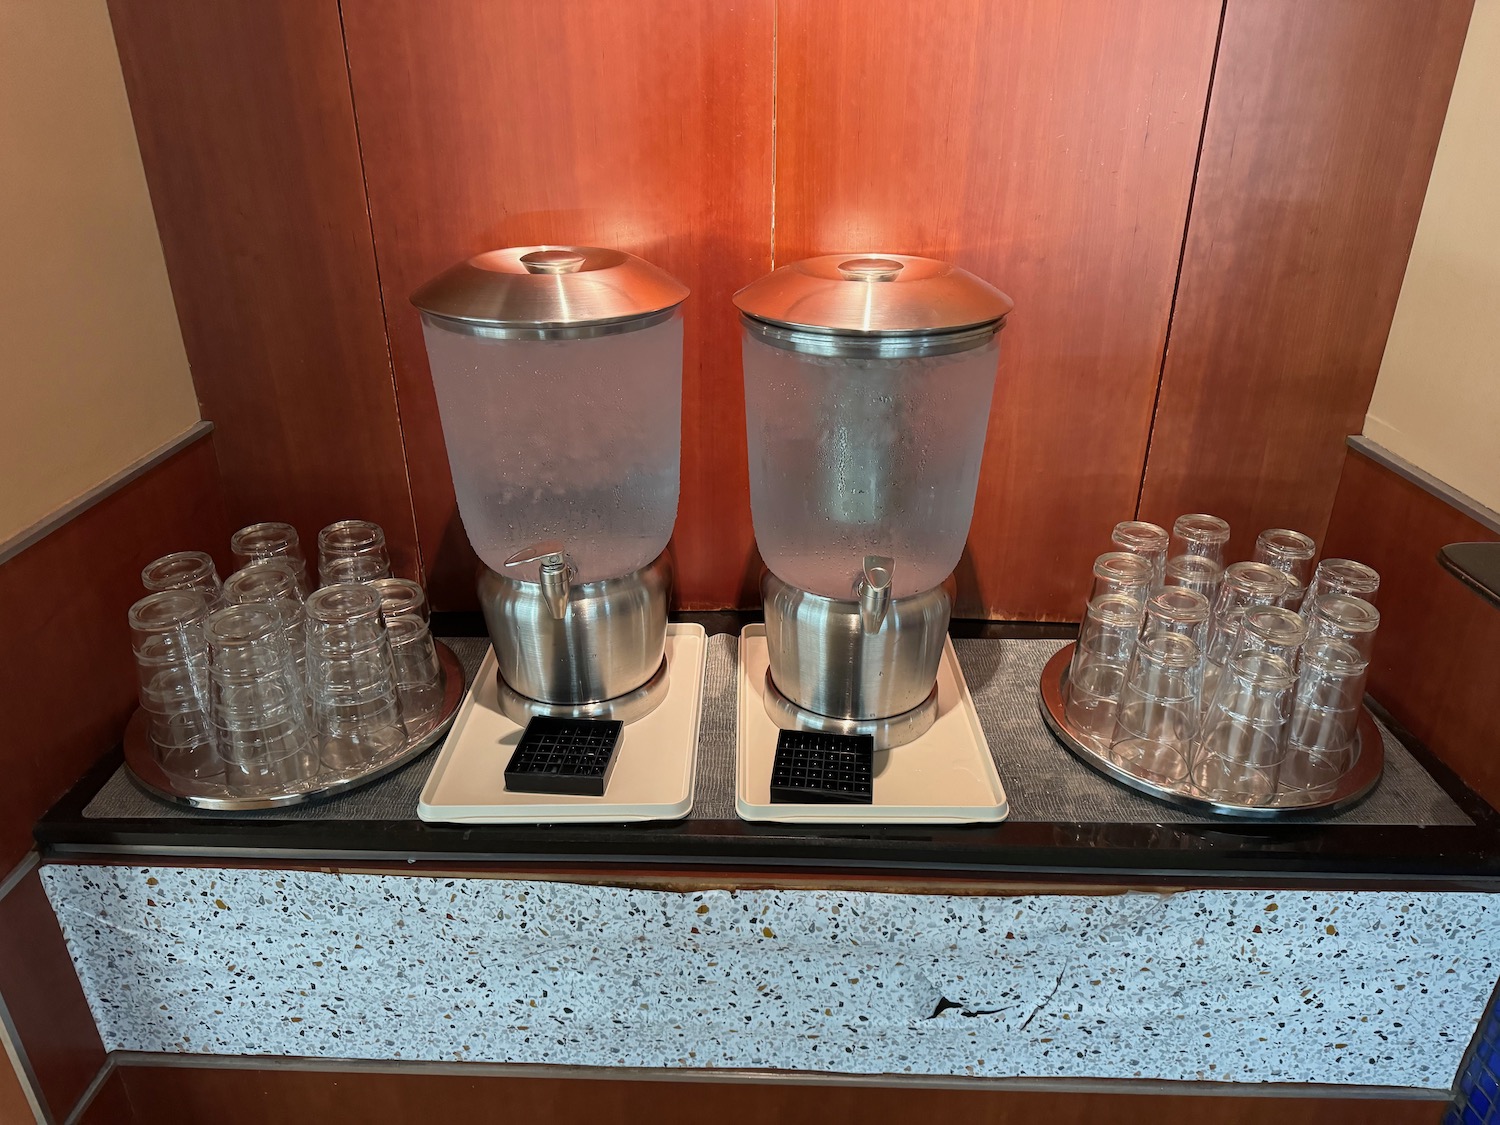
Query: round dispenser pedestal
[
  {"x": 602, "y": 658},
  {"x": 832, "y": 673}
]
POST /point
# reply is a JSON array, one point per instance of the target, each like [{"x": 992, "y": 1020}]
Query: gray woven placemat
[{"x": 1042, "y": 780}]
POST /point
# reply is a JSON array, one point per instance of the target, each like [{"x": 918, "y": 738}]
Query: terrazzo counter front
[{"x": 1342, "y": 987}]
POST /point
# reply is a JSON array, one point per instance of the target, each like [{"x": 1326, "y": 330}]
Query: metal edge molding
[
  {"x": 1424, "y": 480},
  {"x": 45, "y": 526}
]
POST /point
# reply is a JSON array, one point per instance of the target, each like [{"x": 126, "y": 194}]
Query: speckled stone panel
[{"x": 1241, "y": 986}]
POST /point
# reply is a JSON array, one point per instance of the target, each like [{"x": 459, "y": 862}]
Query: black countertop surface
[{"x": 1280, "y": 854}]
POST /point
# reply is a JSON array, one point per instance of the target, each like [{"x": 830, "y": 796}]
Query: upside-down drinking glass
[
  {"x": 1200, "y": 534},
  {"x": 171, "y": 658},
  {"x": 1157, "y": 715},
  {"x": 1146, "y": 540},
  {"x": 1096, "y": 677},
  {"x": 1290, "y": 552},
  {"x": 1239, "y": 752}
]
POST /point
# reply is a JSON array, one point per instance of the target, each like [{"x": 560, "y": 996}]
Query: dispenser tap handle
[
  {"x": 555, "y": 572},
  {"x": 873, "y": 588}
]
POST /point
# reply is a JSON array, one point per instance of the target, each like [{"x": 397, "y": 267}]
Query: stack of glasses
[
  {"x": 257, "y": 686},
  {"x": 1240, "y": 684}
]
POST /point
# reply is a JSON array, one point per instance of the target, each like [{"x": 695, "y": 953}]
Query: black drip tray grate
[
  {"x": 572, "y": 756},
  {"x": 820, "y": 769}
]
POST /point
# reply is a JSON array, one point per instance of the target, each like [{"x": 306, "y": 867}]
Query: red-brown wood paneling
[
  {"x": 1048, "y": 147},
  {"x": 1437, "y": 656},
  {"x": 646, "y": 127},
  {"x": 44, "y": 1000},
  {"x": 168, "y": 1096},
  {"x": 14, "y": 1108},
  {"x": 246, "y": 129},
  {"x": 111, "y": 1105},
  {"x": 1321, "y": 131},
  {"x": 68, "y": 674}
]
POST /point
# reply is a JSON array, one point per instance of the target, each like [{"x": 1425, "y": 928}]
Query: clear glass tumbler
[
  {"x": 1272, "y": 631},
  {"x": 1146, "y": 540},
  {"x": 1157, "y": 715},
  {"x": 259, "y": 719},
  {"x": 1194, "y": 572},
  {"x": 1290, "y": 552},
  {"x": 185, "y": 570},
  {"x": 400, "y": 597},
  {"x": 419, "y": 681},
  {"x": 171, "y": 659},
  {"x": 1245, "y": 584},
  {"x": 1343, "y": 617},
  {"x": 1325, "y": 715},
  {"x": 261, "y": 541},
  {"x": 1341, "y": 576},
  {"x": 1199, "y": 534},
  {"x": 1243, "y": 741},
  {"x": 351, "y": 679},
  {"x": 1096, "y": 677},
  {"x": 351, "y": 551},
  {"x": 273, "y": 581},
  {"x": 1123, "y": 573}
]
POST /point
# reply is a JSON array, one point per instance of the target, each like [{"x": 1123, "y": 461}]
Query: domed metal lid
[
  {"x": 546, "y": 291},
  {"x": 873, "y": 294}
]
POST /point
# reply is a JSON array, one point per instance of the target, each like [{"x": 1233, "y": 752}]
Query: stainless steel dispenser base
[
  {"x": 627, "y": 708},
  {"x": 604, "y": 648},
  {"x": 834, "y": 670},
  {"x": 897, "y": 730}
]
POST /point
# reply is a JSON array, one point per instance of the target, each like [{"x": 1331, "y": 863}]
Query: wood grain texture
[
  {"x": 246, "y": 129},
  {"x": 14, "y": 1107},
  {"x": 644, "y": 126},
  {"x": 44, "y": 999},
  {"x": 1435, "y": 664},
  {"x": 1320, "y": 136},
  {"x": 71, "y": 686},
  {"x": 1048, "y": 147},
  {"x": 111, "y": 1105},
  {"x": 168, "y": 1096}
]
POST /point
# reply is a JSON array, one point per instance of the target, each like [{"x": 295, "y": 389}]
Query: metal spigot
[
  {"x": 555, "y": 574},
  {"x": 872, "y": 587}
]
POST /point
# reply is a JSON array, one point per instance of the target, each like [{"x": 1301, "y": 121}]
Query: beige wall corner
[
  {"x": 1437, "y": 400},
  {"x": 92, "y": 368}
]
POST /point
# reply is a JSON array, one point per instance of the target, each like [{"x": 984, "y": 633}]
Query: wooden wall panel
[
  {"x": 643, "y": 126},
  {"x": 247, "y": 133},
  {"x": 1048, "y": 147},
  {"x": 1320, "y": 136},
  {"x": 167, "y": 1096},
  {"x": 44, "y": 1000},
  {"x": 67, "y": 596},
  {"x": 1437, "y": 657}
]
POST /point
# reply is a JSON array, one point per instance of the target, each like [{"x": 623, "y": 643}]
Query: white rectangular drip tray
[
  {"x": 652, "y": 778},
  {"x": 945, "y": 777}
]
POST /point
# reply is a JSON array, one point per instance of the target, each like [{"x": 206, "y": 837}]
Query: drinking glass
[
  {"x": 171, "y": 659},
  {"x": 401, "y": 597},
  {"x": 1146, "y": 540},
  {"x": 1194, "y": 572},
  {"x": 259, "y": 718},
  {"x": 273, "y": 581},
  {"x": 1343, "y": 617},
  {"x": 1290, "y": 552},
  {"x": 1272, "y": 631},
  {"x": 185, "y": 570},
  {"x": 419, "y": 681},
  {"x": 1202, "y": 535},
  {"x": 1174, "y": 609},
  {"x": 261, "y": 541},
  {"x": 1325, "y": 715},
  {"x": 1158, "y": 709},
  {"x": 352, "y": 540},
  {"x": 1239, "y": 753},
  {"x": 1341, "y": 576},
  {"x": 1245, "y": 584},
  {"x": 1096, "y": 677},
  {"x": 1123, "y": 573},
  {"x": 351, "y": 678}
]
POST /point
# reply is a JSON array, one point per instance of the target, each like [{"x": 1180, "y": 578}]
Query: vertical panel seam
[
  {"x": 385, "y": 321},
  {"x": 1187, "y": 223},
  {"x": 775, "y": 86}
]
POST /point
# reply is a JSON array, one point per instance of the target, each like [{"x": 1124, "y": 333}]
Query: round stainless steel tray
[
  {"x": 1369, "y": 762},
  {"x": 208, "y": 793}
]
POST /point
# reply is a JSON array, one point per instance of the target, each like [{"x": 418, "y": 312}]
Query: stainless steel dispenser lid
[
  {"x": 873, "y": 304},
  {"x": 550, "y": 293}
]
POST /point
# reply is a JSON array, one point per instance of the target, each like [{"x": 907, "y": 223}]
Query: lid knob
[
  {"x": 870, "y": 269},
  {"x": 552, "y": 261}
]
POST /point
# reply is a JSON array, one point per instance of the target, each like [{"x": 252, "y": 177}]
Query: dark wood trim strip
[{"x": 1406, "y": 470}]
